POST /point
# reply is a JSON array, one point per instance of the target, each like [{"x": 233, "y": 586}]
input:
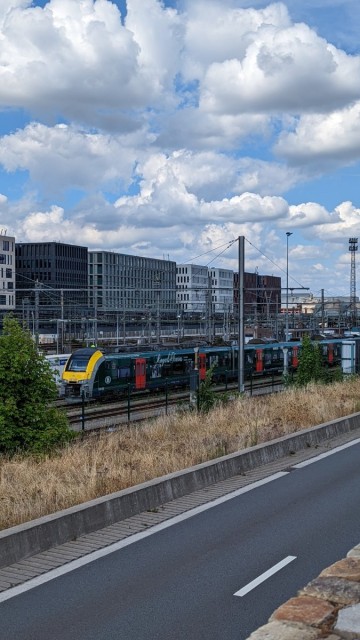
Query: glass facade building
[
  {"x": 118, "y": 281},
  {"x": 55, "y": 271}
]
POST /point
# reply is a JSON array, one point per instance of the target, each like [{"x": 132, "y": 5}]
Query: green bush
[
  {"x": 310, "y": 363},
  {"x": 207, "y": 397},
  {"x": 28, "y": 421}
]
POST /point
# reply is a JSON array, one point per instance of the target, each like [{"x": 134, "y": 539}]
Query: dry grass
[{"x": 31, "y": 488}]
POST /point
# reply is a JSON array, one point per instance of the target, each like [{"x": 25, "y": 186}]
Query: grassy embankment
[{"x": 30, "y": 488}]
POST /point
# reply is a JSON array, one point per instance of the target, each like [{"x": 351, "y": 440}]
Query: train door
[
  {"x": 140, "y": 373},
  {"x": 202, "y": 366},
  {"x": 295, "y": 357},
  {"x": 330, "y": 354},
  {"x": 259, "y": 366}
]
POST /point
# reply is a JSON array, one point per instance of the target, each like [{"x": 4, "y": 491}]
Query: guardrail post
[
  {"x": 194, "y": 388},
  {"x": 129, "y": 402},
  {"x": 82, "y": 412}
]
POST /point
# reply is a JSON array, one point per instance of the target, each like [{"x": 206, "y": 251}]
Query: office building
[
  {"x": 124, "y": 282},
  {"x": 51, "y": 274},
  {"x": 262, "y": 296},
  {"x": 192, "y": 287}
]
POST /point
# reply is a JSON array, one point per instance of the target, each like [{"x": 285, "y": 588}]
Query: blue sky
[{"x": 171, "y": 128}]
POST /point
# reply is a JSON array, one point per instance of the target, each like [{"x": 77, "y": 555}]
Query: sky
[{"x": 169, "y": 129}]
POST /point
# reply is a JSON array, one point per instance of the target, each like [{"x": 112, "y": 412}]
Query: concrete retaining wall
[{"x": 38, "y": 535}]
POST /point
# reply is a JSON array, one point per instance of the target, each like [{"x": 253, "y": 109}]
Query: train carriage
[
  {"x": 57, "y": 364},
  {"x": 92, "y": 373}
]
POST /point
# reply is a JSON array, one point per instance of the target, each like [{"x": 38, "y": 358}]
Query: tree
[
  {"x": 28, "y": 421},
  {"x": 310, "y": 363}
]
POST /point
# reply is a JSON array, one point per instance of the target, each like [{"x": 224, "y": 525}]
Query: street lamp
[{"x": 288, "y": 233}]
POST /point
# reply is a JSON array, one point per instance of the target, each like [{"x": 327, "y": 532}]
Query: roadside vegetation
[
  {"x": 28, "y": 421},
  {"x": 311, "y": 367},
  {"x": 35, "y": 485}
]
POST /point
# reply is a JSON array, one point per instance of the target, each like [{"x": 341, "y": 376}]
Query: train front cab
[{"x": 79, "y": 373}]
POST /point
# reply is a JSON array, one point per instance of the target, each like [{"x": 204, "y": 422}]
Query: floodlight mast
[
  {"x": 353, "y": 247},
  {"x": 288, "y": 234},
  {"x": 241, "y": 332}
]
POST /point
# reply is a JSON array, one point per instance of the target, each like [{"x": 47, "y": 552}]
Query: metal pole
[
  {"x": 129, "y": 403},
  {"x": 95, "y": 328},
  {"x": 158, "y": 328},
  {"x": 241, "y": 385},
  {"x": 194, "y": 381},
  {"x": 288, "y": 233},
  {"x": 62, "y": 319},
  {"x": 36, "y": 317},
  {"x": 82, "y": 413}
]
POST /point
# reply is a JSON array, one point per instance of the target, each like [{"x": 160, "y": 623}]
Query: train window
[
  {"x": 173, "y": 368},
  {"x": 267, "y": 357},
  {"x": 156, "y": 370},
  {"x": 78, "y": 363},
  {"x": 123, "y": 372}
]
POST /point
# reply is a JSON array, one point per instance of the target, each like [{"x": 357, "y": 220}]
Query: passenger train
[
  {"x": 92, "y": 373},
  {"x": 57, "y": 364}
]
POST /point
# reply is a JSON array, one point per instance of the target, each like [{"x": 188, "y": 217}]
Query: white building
[
  {"x": 7, "y": 271},
  {"x": 192, "y": 286},
  {"x": 203, "y": 290},
  {"x": 222, "y": 289}
]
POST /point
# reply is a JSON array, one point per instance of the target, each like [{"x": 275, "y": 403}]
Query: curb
[{"x": 33, "y": 537}]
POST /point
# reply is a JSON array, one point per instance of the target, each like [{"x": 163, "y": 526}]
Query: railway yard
[{"x": 91, "y": 416}]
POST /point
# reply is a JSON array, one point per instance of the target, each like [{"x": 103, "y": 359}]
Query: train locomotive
[{"x": 92, "y": 373}]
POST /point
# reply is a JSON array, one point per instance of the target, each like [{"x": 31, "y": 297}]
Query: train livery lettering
[{"x": 170, "y": 357}]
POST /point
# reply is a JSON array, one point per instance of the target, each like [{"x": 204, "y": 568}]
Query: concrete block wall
[{"x": 327, "y": 607}]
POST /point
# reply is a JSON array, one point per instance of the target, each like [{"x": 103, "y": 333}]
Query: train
[
  {"x": 92, "y": 373},
  {"x": 57, "y": 364}
]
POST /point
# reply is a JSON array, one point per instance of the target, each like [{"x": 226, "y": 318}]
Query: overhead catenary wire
[
  {"x": 274, "y": 263},
  {"x": 229, "y": 244}
]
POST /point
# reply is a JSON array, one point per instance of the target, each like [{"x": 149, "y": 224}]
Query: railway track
[{"x": 89, "y": 417}]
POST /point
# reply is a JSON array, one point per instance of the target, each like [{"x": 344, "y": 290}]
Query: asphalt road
[{"x": 180, "y": 582}]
